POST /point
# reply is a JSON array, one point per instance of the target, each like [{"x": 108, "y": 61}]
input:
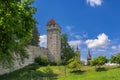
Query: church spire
[
  {"x": 77, "y": 53},
  {"x": 89, "y": 55},
  {"x": 77, "y": 49}
]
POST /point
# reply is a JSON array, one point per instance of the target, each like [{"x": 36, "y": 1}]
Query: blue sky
[{"x": 92, "y": 24}]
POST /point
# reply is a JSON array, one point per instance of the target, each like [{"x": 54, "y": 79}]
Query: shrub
[
  {"x": 115, "y": 59},
  {"x": 74, "y": 64},
  {"x": 98, "y": 62},
  {"x": 42, "y": 60}
]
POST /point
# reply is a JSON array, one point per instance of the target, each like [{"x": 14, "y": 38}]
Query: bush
[
  {"x": 74, "y": 64},
  {"x": 115, "y": 59},
  {"x": 42, "y": 60},
  {"x": 53, "y": 63},
  {"x": 33, "y": 66}
]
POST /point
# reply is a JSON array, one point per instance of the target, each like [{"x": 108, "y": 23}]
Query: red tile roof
[{"x": 51, "y": 22}]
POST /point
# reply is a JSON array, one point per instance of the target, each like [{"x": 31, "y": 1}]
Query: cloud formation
[
  {"x": 101, "y": 41},
  {"x": 72, "y": 43},
  {"x": 75, "y": 43},
  {"x": 94, "y": 3},
  {"x": 114, "y": 47},
  {"x": 43, "y": 40},
  {"x": 69, "y": 28}
]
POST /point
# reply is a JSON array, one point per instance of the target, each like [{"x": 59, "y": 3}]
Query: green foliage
[
  {"x": 112, "y": 74},
  {"x": 35, "y": 37},
  {"x": 74, "y": 64},
  {"x": 42, "y": 60},
  {"x": 77, "y": 55},
  {"x": 98, "y": 61},
  {"x": 16, "y": 25},
  {"x": 66, "y": 50},
  {"x": 49, "y": 72},
  {"x": 115, "y": 59},
  {"x": 90, "y": 74},
  {"x": 22, "y": 74}
]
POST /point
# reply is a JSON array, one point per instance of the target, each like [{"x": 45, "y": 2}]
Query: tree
[
  {"x": 16, "y": 25},
  {"x": 35, "y": 37},
  {"x": 66, "y": 50},
  {"x": 49, "y": 74},
  {"x": 42, "y": 60},
  {"x": 115, "y": 59},
  {"x": 98, "y": 61},
  {"x": 74, "y": 64}
]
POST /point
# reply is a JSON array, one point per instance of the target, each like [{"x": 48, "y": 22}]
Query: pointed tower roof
[
  {"x": 77, "y": 49},
  {"x": 51, "y": 22},
  {"x": 89, "y": 55}
]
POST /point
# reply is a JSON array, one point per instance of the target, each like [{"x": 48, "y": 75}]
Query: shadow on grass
[
  {"x": 78, "y": 71},
  {"x": 101, "y": 69},
  {"x": 30, "y": 73},
  {"x": 47, "y": 74}
]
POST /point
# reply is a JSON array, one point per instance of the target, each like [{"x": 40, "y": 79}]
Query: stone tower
[{"x": 54, "y": 41}]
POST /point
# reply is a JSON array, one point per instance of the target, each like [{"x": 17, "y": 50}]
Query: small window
[
  {"x": 51, "y": 26},
  {"x": 54, "y": 25}
]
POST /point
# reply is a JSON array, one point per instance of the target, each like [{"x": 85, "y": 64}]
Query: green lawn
[
  {"x": 62, "y": 73},
  {"x": 88, "y": 73},
  {"x": 112, "y": 74}
]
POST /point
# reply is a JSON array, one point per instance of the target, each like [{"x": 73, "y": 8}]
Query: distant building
[
  {"x": 77, "y": 54},
  {"x": 89, "y": 57}
]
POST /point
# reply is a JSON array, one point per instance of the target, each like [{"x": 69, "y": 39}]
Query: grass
[
  {"x": 112, "y": 74},
  {"x": 63, "y": 73}
]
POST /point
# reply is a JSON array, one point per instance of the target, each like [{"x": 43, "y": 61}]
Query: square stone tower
[{"x": 54, "y": 41}]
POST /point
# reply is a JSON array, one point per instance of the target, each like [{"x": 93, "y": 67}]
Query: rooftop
[{"x": 51, "y": 22}]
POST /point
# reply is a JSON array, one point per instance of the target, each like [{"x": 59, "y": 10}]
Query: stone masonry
[
  {"x": 52, "y": 52},
  {"x": 53, "y": 40}
]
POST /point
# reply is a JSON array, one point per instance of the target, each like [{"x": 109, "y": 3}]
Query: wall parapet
[{"x": 33, "y": 53}]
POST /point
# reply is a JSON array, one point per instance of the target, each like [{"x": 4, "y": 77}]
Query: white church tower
[{"x": 54, "y": 40}]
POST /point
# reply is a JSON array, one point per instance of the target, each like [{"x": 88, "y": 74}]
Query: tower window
[
  {"x": 51, "y": 25},
  {"x": 54, "y": 25}
]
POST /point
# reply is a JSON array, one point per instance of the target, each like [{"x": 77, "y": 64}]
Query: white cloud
[
  {"x": 101, "y": 50},
  {"x": 72, "y": 34},
  {"x": 77, "y": 36},
  {"x": 43, "y": 40},
  {"x": 85, "y": 35},
  {"x": 117, "y": 47},
  {"x": 101, "y": 41},
  {"x": 114, "y": 47},
  {"x": 69, "y": 28},
  {"x": 75, "y": 43},
  {"x": 94, "y": 3}
]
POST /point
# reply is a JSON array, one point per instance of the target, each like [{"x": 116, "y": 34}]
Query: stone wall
[{"x": 33, "y": 52}]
